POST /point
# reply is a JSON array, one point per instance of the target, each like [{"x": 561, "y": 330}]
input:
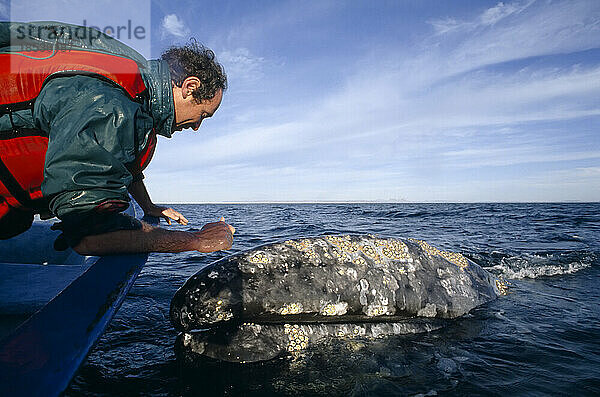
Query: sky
[{"x": 415, "y": 100}]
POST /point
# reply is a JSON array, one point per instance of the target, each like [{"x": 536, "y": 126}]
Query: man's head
[{"x": 198, "y": 83}]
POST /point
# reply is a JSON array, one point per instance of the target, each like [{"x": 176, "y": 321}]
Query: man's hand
[
  {"x": 215, "y": 236},
  {"x": 140, "y": 194},
  {"x": 166, "y": 213}
]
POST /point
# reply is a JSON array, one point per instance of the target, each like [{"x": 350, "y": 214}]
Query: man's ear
[{"x": 189, "y": 85}]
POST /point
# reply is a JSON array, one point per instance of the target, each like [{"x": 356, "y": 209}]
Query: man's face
[{"x": 188, "y": 112}]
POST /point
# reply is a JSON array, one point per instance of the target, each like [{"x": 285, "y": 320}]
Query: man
[{"x": 100, "y": 139}]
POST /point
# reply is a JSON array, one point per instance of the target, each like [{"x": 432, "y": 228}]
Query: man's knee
[{"x": 15, "y": 222}]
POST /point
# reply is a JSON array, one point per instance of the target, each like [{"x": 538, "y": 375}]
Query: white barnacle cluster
[
  {"x": 334, "y": 309},
  {"x": 376, "y": 310},
  {"x": 221, "y": 313},
  {"x": 344, "y": 248},
  {"x": 379, "y": 250},
  {"x": 369, "y": 251},
  {"x": 359, "y": 261},
  {"x": 349, "y": 331},
  {"x": 190, "y": 342},
  {"x": 291, "y": 308},
  {"x": 455, "y": 258},
  {"x": 259, "y": 258},
  {"x": 502, "y": 286},
  {"x": 394, "y": 249},
  {"x": 321, "y": 243},
  {"x": 297, "y": 338},
  {"x": 359, "y": 331},
  {"x": 348, "y": 271},
  {"x": 375, "y": 303},
  {"x": 304, "y": 246},
  {"x": 344, "y": 243},
  {"x": 340, "y": 255},
  {"x": 451, "y": 257}
]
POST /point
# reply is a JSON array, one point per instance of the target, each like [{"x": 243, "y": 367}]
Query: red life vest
[{"x": 22, "y": 153}]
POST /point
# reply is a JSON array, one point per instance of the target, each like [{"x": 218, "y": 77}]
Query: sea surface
[{"x": 543, "y": 338}]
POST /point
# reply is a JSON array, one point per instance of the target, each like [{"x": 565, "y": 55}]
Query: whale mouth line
[{"x": 320, "y": 320}]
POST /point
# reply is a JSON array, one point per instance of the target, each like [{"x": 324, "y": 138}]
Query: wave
[{"x": 540, "y": 265}]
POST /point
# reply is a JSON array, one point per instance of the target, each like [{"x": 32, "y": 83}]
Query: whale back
[{"x": 333, "y": 279}]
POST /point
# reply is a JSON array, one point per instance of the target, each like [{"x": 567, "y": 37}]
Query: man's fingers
[
  {"x": 170, "y": 213},
  {"x": 231, "y": 228},
  {"x": 216, "y": 236},
  {"x": 178, "y": 217}
]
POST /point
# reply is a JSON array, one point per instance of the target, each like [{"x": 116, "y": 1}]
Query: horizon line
[{"x": 386, "y": 202}]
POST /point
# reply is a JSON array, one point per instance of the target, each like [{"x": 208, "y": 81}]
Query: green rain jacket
[{"x": 91, "y": 123}]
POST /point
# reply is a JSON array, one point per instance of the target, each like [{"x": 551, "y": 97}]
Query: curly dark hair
[{"x": 194, "y": 59}]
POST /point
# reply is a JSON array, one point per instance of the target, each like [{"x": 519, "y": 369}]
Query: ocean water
[{"x": 543, "y": 338}]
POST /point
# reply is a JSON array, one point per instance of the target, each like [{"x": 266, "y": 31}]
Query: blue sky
[{"x": 420, "y": 101}]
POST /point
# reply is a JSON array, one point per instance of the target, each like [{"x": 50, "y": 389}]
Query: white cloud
[
  {"x": 486, "y": 99},
  {"x": 493, "y": 15},
  {"x": 488, "y": 17},
  {"x": 446, "y": 25},
  {"x": 245, "y": 144},
  {"x": 241, "y": 65},
  {"x": 173, "y": 25},
  {"x": 368, "y": 118},
  {"x": 557, "y": 28},
  {"x": 263, "y": 182},
  {"x": 517, "y": 154},
  {"x": 415, "y": 94},
  {"x": 505, "y": 33}
]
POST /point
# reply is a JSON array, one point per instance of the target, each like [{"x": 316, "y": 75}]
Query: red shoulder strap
[
  {"x": 23, "y": 74},
  {"x": 143, "y": 158},
  {"x": 24, "y": 158}
]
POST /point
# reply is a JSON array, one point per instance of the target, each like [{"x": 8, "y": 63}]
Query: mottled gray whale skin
[
  {"x": 250, "y": 342},
  {"x": 333, "y": 279}
]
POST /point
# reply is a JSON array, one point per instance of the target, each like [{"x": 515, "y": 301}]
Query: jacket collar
[{"x": 162, "y": 108}]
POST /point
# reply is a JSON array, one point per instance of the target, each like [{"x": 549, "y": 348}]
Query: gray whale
[{"x": 317, "y": 285}]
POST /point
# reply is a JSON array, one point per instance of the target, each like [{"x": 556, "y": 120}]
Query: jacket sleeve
[{"x": 91, "y": 125}]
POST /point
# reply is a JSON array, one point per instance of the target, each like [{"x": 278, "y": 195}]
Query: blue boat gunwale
[{"x": 42, "y": 355}]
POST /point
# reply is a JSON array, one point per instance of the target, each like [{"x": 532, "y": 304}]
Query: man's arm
[
  {"x": 137, "y": 189},
  {"x": 212, "y": 237},
  {"x": 90, "y": 123}
]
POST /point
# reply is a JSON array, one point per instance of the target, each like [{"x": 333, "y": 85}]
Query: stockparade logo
[
  {"x": 47, "y": 34},
  {"x": 80, "y": 23}
]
